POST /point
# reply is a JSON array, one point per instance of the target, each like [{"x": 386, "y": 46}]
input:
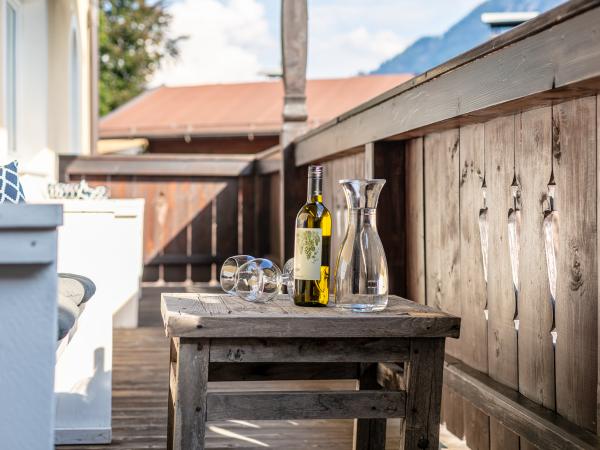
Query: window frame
[
  {"x": 74, "y": 89},
  {"x": 11, "y": 63}
]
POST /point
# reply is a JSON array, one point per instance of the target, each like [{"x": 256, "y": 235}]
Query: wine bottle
[{"x": 312, "y": 242}]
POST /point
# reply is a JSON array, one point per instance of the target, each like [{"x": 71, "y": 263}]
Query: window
[
  {"x": 11, "y": 76},
  {"x": 74, "y": 95}
]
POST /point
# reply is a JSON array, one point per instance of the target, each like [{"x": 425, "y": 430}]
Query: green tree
[{"x": 133, "y": 41}]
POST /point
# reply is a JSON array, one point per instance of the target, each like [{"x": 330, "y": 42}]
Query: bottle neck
[{"x": 315, "y": 189}]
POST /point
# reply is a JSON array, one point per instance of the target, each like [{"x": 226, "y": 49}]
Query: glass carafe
[{"x": 361, "y": 279}]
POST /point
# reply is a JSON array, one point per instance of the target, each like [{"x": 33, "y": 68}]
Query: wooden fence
[
  {"x": 200, "y": 209},
  {"x": 490, "y": 213}
]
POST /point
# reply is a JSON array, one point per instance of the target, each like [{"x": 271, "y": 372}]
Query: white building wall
[{"x": 44, "y": 77}]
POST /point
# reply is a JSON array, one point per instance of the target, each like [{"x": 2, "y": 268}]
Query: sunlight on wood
[{"x": 231, "y": 434}]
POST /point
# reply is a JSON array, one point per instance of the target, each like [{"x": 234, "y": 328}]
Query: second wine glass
[
  {"x": 258, "y": 280},
  {"x": 229, "y": 272}
]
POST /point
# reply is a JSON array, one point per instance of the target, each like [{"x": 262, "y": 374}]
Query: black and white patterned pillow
[{"x": 11, "y": 189}]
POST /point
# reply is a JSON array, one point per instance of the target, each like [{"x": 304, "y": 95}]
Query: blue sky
[{"x": 238, "y": 40}]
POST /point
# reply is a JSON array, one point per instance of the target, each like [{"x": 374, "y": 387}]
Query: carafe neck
[{"x": 362, "y": 218}]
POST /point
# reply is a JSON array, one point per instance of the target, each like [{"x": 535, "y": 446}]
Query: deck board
[{"x": 140, "y": 389}]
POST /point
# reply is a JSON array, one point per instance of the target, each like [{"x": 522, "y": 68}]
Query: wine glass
[
  {"x": 260, "y": 280},
  {"x": 229, "y": 272}
]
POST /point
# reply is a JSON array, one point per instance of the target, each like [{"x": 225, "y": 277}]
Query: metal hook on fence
[
  {"x": 514, "y": 233},
  {"x": 484, "y": 240},
  {"x": 550, "y": 227}
]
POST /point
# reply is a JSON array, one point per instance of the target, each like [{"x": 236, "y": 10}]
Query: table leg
[
  {"x": 187, "y": 394},
  {"x": 369, "y": 434},
  {"x": 424, "y": 372}
]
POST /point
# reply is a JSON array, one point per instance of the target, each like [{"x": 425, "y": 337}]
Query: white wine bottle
[{"x": 311, "y": 245}]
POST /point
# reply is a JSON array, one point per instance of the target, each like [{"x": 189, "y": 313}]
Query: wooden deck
[{"x": 140, "y": 384}]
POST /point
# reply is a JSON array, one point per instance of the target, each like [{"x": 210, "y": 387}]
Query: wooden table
[{"x": 396, "y": 355}]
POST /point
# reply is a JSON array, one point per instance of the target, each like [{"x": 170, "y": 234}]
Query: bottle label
[{"x": 308, "y": 250}]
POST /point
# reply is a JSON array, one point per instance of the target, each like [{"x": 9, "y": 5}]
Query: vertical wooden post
[
  {"x": 94, "y": 56},
  {"x": 369, "y": 434},
  {"x": 189, "y": 380},
  {"x": 423, "y": 374},
  {"x": 294, "y": 29}
]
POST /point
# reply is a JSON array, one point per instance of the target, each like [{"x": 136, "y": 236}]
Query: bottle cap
[{"x": 315, "y": 171}]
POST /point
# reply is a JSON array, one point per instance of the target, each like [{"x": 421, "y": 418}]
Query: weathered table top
[{"x": 214, "y": 315}]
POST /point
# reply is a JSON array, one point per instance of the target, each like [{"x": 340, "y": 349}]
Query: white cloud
[
  {"x": 348, "y": 52},
  {"x": 225, "y": 42}
]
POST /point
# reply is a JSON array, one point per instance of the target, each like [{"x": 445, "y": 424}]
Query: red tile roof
[{"x": 236, "y": 109}]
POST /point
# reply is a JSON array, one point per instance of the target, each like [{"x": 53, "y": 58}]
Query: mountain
[{"x": 470, "y": 31}]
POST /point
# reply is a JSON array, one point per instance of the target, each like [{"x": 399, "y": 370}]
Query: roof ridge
[{"x": 278, "y": 80}]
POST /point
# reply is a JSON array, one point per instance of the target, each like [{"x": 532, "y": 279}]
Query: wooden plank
[
  {"x": 282, "y": 405},
  {"x": 201, "y": 232},
  {"x": 597, "y": 237},
  {"x": 227, "y": 220},
  {"x": 533, "y": 165},
  {"x": 502, "y": 336},
  {"x": 369, "y": 160},
  {"x": 191, "y": 315},
  {"x": 442, "y": 222},
  {"x": 473, "y": 293},
  {"x": 472, "y": 280},
  {"x": 177, "y": 194},
  {"x": 476, "y": 427},
  {"x": 442, "y": 209},
  {"x": 274, "y": 213},
  {"x": 189, "y": 395},
  {"x": 526, "y": 73},
  {"x": 282, "y": 371},
  {"x": 415, "y": 220},
  {"x": 249, "y": 222},
  {"x": 540, "y": 426},
  {"x": 369, "y": 434},
  {"x": 309, "y": 350},
  {"x": 424, "y": 391},
  {"x": 162, "y": 165},
  {"x": 391, "y": 215},
  {"x": 575, "y": 174},
  {"x": 453, "y": 412}
]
